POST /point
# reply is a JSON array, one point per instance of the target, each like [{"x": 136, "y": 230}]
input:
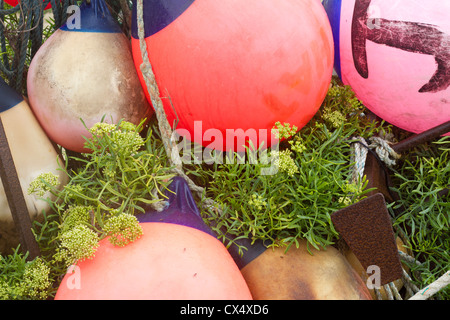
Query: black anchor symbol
[{"x": 409, "y": 36}]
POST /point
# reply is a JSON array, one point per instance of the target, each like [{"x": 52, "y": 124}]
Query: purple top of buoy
[
  {"x": 181, "y": 208},
  {"x": 92, "y": 17},
  {"x": 158, "y": 14},
  {"x": 333, "y": 10},
  {"x": 8, "y": 96}
]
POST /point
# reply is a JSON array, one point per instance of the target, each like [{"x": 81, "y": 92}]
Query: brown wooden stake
[{"x": 16, "y": 199}]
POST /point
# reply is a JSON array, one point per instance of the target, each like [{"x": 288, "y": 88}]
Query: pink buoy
[{"x": 396, "y": 57}]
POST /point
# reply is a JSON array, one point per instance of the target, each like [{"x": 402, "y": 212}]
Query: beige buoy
[
  {"x": 300, "y": 275},
  {"x": 32, "y": 153},
  {"x": 83, "y": 74}
]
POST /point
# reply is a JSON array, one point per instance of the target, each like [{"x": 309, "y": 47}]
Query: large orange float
[{"x": 229, "y": 70}]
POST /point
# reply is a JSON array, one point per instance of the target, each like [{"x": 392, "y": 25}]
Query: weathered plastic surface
[{"x": 85, "y": 75}]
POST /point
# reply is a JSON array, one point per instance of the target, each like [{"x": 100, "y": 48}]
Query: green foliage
[
  {"x": 313, "y": 178},
  {"x": 24, "y": 280},
  {"x": 122, "y": 176},
  {"x": 422, "y": 183},
  {"x": 296, "y": 202},
  {"x": 126, "y": 174}
]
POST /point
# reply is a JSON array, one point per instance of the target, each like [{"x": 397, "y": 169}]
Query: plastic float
[
  {"x": 177, "y": 258},
  {"x": 302, "y": 273},
  {"x": 83, "y": 73},
  {"x": 395, "y": 56},
  {"x": 229, "y": 70},
  {"x": 32, "y": 153}
]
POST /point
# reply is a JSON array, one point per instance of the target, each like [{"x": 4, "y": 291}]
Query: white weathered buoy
[{"x": 85, "y": 72}]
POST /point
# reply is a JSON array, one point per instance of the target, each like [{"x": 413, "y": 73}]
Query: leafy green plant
[
  {"x": 313, "y": 180},
  {"x": 22, "y": 279},
  {"x": 422, "y": 183},
  {"x": 122, "y": 176},
  {"x": 295, "y": 203}
]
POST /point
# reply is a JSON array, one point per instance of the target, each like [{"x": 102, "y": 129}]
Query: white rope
[
  {"x": 359, "y": 158},
  {"x": 164, "y": 126},
  {"x": 360, "y": 150},
  {"x": 433, "y": 288},
  {"x": 384, "y": 151}
]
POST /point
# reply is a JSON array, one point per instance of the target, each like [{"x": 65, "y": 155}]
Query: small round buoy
[{"x": 82, "y": 74}]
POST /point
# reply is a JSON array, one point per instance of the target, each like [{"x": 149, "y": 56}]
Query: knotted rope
[
  {"x": 384, "y": 151},
  {"x": 389, "y": 157},
  {"x": 381, "y": 147}
]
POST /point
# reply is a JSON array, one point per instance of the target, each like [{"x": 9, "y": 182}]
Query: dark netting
[{"x": 21, "y": 32}]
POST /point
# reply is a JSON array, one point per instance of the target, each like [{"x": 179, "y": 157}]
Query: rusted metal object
[
  {"x": 16, "y": 199},
  {"x": 367, "y": 229},
  {"x": 377, "y": 174}
]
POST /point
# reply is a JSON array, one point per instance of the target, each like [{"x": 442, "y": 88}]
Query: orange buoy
[
  {"x": 231, "y": 69},
  {"x": 172, "y": 260}
]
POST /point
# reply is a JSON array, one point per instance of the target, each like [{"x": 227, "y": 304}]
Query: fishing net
[{"x": 24, "y": 27}]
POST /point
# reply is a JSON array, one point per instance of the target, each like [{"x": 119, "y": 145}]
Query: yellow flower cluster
[
  {"x": 33, "y": 283},
  {"x": 77, "y": 244},
  {"x": 36, "y": 279},
  {"x": 335, "y": 118},
  {"x": 76, "y": 215},
  {"x": 43, "y": 183},
  {"x": 283, "y": 131},
  {"x": 257, "y": 201},
  {"x": 297, "y": 145},
  {"x": 100, "y": 129},
  {"x": 123, "y": 137},
  {"x": 284, "y": 162},
  {"x": 123, "y": 229}
]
